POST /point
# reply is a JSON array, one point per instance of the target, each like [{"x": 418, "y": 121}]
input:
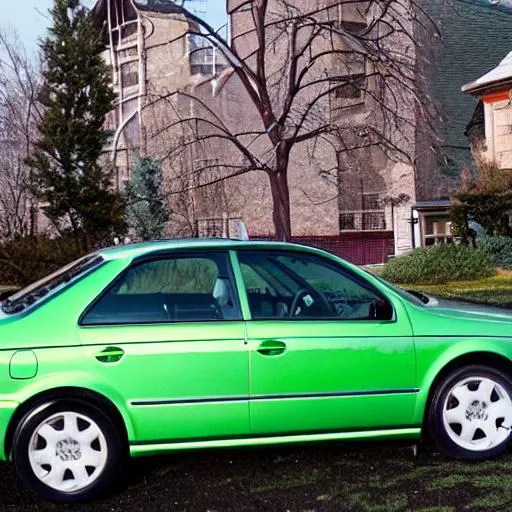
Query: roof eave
[{"x": 480, "y": 89}]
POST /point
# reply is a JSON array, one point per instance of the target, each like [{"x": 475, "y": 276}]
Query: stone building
[
  {"x": 331, "y": 191},
  {"x": 364, "y": 194}
]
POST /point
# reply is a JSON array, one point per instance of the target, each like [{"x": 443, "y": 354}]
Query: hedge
[{"x": 440, "y": 264}]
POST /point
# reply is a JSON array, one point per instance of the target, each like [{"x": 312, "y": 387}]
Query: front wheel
[
  {"x": 67, "y": 452},
  {"x": 470, "y": 416}
]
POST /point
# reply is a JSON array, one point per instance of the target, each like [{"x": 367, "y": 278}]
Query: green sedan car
[{"x": 177, "y": 345}]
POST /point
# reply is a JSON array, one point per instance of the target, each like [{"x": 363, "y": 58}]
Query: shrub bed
[
  {"x": 440, "y": 264},
  {"x": 498, "y": 248}
]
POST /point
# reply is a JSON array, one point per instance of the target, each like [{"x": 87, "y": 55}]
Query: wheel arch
[
  {"x": 72, "y": 393},
  {"x": 480, "y": 357}
]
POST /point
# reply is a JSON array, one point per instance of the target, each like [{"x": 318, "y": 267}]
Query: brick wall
[{"x": 360, "y": 248}]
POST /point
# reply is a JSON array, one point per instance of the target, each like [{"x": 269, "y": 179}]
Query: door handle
[
  {"x": 110, "y": 355},
  {"x": 272, "y": 348}
]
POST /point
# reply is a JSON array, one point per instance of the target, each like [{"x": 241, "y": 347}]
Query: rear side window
[
  {"x": 36, "y": 292},
  {"x": 188, "y": 288},
  {"x": 180, "y": 275}
]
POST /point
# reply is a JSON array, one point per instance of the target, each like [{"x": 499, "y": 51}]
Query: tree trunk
[{"x": 281, "y": 204}]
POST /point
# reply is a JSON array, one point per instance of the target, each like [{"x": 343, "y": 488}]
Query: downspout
[{"x": 413, "y": 238}]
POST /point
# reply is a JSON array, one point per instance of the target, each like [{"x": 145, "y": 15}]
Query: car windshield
[{"x": 36, "y": 291}]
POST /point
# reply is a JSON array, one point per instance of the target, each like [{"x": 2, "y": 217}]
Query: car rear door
[
  {"x": 169, "y": 337},
  {"x": 323, "y": 363}
]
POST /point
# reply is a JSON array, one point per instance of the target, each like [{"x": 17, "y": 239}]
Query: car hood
[
  {"x": 458, "y": 318},
  {"x": 470, "y": 310}
]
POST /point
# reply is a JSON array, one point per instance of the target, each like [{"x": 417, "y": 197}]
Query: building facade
[{"x": 334, "y": 192}]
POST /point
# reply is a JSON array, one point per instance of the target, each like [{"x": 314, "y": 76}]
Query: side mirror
[{"x": 381, "y": 310}]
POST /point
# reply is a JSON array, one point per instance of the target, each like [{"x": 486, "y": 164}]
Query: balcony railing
[{"x": 363, "y": 220}]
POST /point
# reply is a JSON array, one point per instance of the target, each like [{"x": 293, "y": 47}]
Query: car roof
[{"x": 140, "y": 249}]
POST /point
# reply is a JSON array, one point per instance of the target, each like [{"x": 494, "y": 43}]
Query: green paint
[
  {"x": 208, "y": 385},
  {"x": 23, "y": 365}
]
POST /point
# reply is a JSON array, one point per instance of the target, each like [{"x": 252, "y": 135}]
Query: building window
[
  {"x": 372, "y": 217},
  {"x": 210, "y": 228},
  {"x": 353, "y": 27},
  {"x": 128, "y": 52},
  {"x": 220, "y": 227},
  {"x": 131, "y": 132},
  {"x": 204, "y": 58},
  {"x": 347, "y": 221},
  {"x": 371, "y": 201},
  {"x": 349, "y": 17},
  {"x": 374, "y": 221},
  {"x": 437, "y": 229},
  {"x": 350, "y": 88},
  {"x": 361, "y": 220},
  {"x": 129, "y": 32},
  {"x": 130, "y": 73}
]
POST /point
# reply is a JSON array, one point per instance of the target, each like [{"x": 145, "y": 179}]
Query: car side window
[
  {"x": 175, "y": 289},
  {"x": 301, "y": 286}
]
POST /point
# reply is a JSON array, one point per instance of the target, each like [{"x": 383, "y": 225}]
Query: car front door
[
  {"x": 168, "y": 336},
  {"x": 320, "y": 357}
]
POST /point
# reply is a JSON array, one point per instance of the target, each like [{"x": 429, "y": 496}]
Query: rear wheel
[
  {"x": 67, "y": 452},
  {"x": 470, "y": 416}
]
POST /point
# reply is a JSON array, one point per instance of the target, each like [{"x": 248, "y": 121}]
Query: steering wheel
[{"x": 301, "y": 295}]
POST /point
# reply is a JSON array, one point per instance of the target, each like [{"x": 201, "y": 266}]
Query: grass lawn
[
  {"x": 496, "y": 290},
  {"x": 358, "y": 477}
]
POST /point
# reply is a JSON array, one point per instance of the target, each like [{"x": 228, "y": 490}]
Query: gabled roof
[
  {"x": 476, "y": 35},
  {"x": 502, "y": 73},
  {"x": 432, "y": 204}
]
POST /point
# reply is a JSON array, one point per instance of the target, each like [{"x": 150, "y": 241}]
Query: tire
[
  {"x": 67, "y": 451},
  {"x": 470, "y": 416}
]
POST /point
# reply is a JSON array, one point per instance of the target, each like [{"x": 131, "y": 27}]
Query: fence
[{"x": 361, "y": 248}]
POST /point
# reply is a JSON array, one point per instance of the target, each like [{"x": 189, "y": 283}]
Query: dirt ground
[{"x": 360, "y": 477}]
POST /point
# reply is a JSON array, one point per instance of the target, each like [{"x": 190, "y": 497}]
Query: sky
[{"x": 30, "y": 18}]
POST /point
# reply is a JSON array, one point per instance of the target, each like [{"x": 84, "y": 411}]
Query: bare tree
[
  {"x": 19, "y": 110},
  {"x": 301, "y": 64}
]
